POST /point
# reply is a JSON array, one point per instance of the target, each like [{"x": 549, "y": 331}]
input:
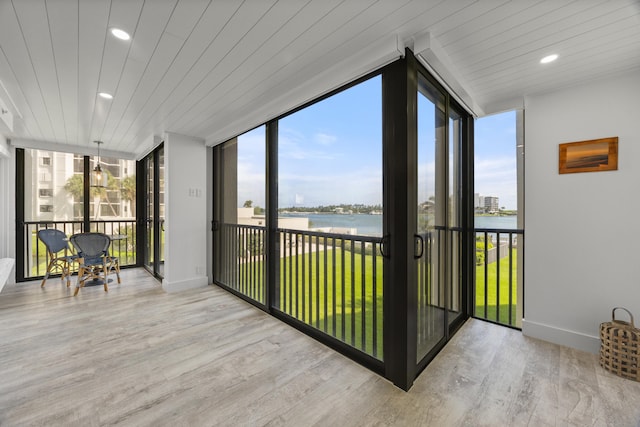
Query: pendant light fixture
[{"x": 98, "y": 176}]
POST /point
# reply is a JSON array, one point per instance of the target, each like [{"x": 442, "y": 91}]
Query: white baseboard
[
  {"x": 577, "y": 340},
  {"x": 183, "y": 285}
]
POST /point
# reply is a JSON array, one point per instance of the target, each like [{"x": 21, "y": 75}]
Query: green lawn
[
  {"x": 491, "y": 313},
  {"x": 338, "y": 298}
]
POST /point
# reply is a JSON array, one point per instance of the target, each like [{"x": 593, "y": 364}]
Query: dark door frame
[{"x": 143, "y": 219}]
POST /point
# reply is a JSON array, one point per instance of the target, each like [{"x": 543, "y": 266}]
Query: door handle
[
  {"x": 419, "y": 243},
  {"x": 383, "y": 246}
]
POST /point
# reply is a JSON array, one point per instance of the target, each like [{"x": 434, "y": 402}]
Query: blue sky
[
  {"x": 495, "y": 158},
  {"x": 331, "y": 153}
]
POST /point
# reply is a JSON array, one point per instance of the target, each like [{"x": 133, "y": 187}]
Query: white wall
[
  {"x": 582, "y": 255},
  {"x": 185, "y": 213}
]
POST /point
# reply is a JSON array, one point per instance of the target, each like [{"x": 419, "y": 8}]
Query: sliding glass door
[
  {"x": 153, "y": 220},
  {"x": 431, "y": 220},
  {"x": 455, "y": 227},
  {"x": 149, "y": 212},
  {"x": 439, "y": 225}
]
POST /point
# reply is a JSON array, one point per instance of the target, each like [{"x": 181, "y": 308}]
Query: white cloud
[
  {"x": 497, "y": 177},
  {"x": 324, "y": 138},
  {"x": 251, "y": 183},
  {"x": 292, "y": 145}
]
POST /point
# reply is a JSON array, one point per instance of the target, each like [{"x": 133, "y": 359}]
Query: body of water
[
  {"x": 371, "y": 225},
  {"x": 510, "y": 222},
  {"x": 367, "y": 225}
]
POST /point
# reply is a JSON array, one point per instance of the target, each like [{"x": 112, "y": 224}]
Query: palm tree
[
  {"x": 75, "y": 187},
  {"x": 112, "y": 185},
  {"x": 128, "y": 192}
]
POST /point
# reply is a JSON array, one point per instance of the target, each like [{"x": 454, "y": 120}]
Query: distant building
[
  {"x": 491, "y": 204},
  {"x": 478, "y": 201},
  {"x": 486, "y": 204}
]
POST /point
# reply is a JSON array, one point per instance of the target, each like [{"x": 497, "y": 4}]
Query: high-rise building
[{"x": 491, "y": 204}]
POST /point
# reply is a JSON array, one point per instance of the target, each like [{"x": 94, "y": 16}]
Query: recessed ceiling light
[
  {"x": 106, "y": 95},
  {"x": 121, "y": 34},
  {"x": 549, "y": 58}
]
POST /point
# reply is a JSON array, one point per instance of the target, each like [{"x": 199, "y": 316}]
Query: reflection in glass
[
  {"x": 431, "y": 214},
  {"x": 454, "y": 221}
]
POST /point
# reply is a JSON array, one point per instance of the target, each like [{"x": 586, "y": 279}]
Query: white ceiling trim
[
  {"x": 500, "y": 106},
  {"x": 431, "y": 54},
  {"x": 69, "y": 148},
  {"x": 148, "y": 145}
]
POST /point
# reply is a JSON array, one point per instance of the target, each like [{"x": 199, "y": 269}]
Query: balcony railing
[
  {"x": 35, "y": 252},
  {"x": 240, "y": 262},
  {"x": 331, "y": 282},
  {"x": 439, "y": 283},
  {"x": 497, "y": 275}
]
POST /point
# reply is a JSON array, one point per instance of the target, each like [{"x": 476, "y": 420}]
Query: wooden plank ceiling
[{"x": 213, "y": 69}]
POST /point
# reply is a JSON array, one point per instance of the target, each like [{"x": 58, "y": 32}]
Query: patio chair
[
  {"x": 94, "y": 260},
  {"x": 56, "y": 242}
]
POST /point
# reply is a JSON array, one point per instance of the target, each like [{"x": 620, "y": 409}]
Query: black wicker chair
[
  {"x": 94, "y": 260},
  {"x": 56, "y": 242}
]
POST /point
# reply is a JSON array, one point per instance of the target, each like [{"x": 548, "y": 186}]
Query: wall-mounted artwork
[{"x": 589, "y": 156}]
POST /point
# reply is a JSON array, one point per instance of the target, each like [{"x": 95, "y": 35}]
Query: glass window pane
[
  {"x": 149, "y": 215},
  {"x": 113, "y": 208},
  {"x": 432, "y": 208},
  {"x": 54, "y": 198},
  {"x": 117, "y": 199},
  {"x": 54, "y": 185},
  {"x": 240, "y": 239},
  {"x": 161, "y": 222},
  {"x": 330, "y": 216},
  {"x": 498, "y": 282},
  {"x": 251, "y": 172},
  {"x": 330, "y": 164},
  {"x": 496, "y": 198}
]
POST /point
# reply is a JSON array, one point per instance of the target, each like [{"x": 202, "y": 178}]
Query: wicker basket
[{"x": 620, "y": 346}]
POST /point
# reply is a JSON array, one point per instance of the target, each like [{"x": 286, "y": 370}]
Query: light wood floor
[{"x": 136, "y": 356}]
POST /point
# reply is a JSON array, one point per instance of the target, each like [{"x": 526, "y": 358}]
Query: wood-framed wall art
[{"x": 595, "y": 155}]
